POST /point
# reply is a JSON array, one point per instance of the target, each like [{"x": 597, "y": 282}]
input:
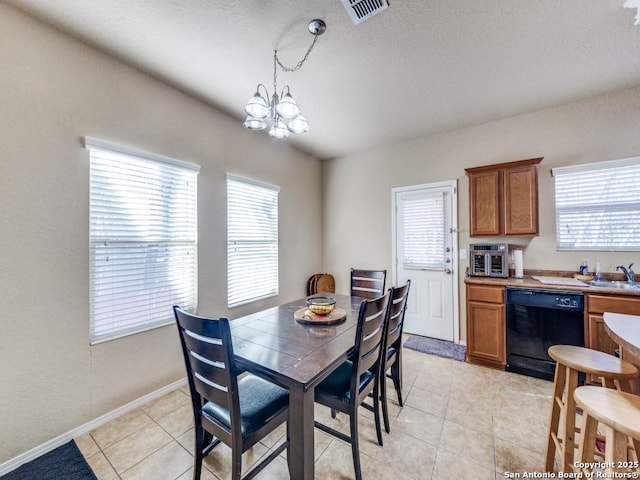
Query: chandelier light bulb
[
  {"x": 279, "y": 130},
  {"x": 257, "y": 106},
  {"x": 299, "y": 125},
  {"x": 253, "y": 123},
  {"x": 287, "y": 106}
]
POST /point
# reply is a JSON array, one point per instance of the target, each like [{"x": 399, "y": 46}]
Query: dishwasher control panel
[
  {"x": 542, "y": 298},
  {"x": 567, "y": 302}
]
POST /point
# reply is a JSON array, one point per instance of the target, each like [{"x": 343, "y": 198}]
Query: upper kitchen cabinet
[{"x": 503, "y": 199}]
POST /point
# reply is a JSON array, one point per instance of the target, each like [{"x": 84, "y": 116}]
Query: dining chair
[
  {"x": 367, "y": 284},
  {"x": 346, "y": 388},
  {"x": 392, "y": 349},
  {"x": 238, "y": 412}
]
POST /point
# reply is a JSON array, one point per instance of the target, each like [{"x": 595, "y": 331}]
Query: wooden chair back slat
[
  {"x": 211, "y": 371},
  {"x": 397, "y": 309},
  {"x": 370, "y": 336},
  {"x": 367, "y": 283}
]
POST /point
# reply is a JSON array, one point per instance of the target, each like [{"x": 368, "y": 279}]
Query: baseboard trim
[{"x": 46, "y": 447}]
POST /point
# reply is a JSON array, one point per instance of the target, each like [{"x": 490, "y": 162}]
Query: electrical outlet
[{"x": 463, "y": 254}]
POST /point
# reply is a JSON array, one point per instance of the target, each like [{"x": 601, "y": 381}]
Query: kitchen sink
[{"x": 615, "y": 284}]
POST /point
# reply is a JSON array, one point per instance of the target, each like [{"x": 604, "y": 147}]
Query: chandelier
[{"x": 282, "y": 111}]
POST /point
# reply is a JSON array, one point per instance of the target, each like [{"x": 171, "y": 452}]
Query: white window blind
[
  {"x": 598, "y": 206},
  {"x": 252, "y": 241},
  {"x": 143, "y": 233},
  {"x": 424, "y": 236}
]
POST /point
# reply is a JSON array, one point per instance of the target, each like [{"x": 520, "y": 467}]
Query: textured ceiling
[{"x": 420, "y": 67}]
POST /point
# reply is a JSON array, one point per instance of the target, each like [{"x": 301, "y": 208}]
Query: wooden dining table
[{"x": 297, "y": 356}]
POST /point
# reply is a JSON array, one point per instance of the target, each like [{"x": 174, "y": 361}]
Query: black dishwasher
[{"x": 537, "y": 319}]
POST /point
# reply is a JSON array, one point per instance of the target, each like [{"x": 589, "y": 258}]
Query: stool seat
[
  {"x": 570, "y": 361},
  {"x": 619, "y": 410},
  {"x": 593, "y": 362}
]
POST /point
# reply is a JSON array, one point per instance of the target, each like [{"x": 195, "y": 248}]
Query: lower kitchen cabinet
[
  {"x": 597, "y": 304},
  {"x": 597, "y": 337},
  {"x": 486, "y": 326}
]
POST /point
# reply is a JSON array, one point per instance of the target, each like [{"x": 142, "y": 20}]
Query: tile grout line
[
  {"x": 173, "y": 440},
  {"x": 533, "y": 390}
]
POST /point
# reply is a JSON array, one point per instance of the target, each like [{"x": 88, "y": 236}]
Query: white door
[{"x": 425, "y": 243}]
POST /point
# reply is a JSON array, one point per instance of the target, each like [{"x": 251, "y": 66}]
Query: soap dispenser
[
  {"x": 584, "y": 268},
  {"x": 598, "y": 273}
]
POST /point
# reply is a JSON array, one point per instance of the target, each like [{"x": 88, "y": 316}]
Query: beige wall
[
  {"x": 357, "y": 188},
  {"x": 53, "y": 91}
]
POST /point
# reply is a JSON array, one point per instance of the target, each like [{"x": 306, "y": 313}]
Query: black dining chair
[
  {"x": 367, "y": 283},
  {"x": 346, "y": 388},
  {"x": 392, "y": 360},
  {"x": 238, "y": 412}
]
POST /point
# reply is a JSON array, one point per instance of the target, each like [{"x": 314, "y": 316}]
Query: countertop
[
  {"x": 625, "y": 331},
  {"x": 528, "y": 282}
]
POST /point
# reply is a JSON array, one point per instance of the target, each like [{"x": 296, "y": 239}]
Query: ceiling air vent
[{"x": 360, "y": 10}]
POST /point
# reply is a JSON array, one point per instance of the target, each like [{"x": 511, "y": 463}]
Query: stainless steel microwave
[{"x": 489, "y": 260}]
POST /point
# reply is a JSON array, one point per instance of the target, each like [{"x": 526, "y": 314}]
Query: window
[
  {"x": 598, "y": 206},
  {"x": 143, "y": 234},
  {"x": 252, "y": 241},
  {"x": 424, "y": 238}
]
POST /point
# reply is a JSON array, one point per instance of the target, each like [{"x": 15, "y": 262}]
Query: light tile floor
[{"x": 459, "y": 421}]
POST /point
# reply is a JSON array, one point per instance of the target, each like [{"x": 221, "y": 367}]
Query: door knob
[{"x": 447, "y": 271}]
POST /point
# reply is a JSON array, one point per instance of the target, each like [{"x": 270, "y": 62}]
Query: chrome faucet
[{"x": 627, "y": 272}]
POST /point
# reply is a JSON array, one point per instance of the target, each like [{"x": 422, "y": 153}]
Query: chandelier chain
[{"x": 301, "y": 62}]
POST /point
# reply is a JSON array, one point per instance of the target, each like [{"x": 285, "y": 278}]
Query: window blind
[
  {"x": 143, "y": 234},
  {"x": 424, "y": 236},
  {"x": 598, "y": 206},
  {"x": 252, "y": 241}
]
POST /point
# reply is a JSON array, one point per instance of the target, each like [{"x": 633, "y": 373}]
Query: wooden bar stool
[
  {"x": 570, "y": 360},
  {"x": 620, "y": 412}
]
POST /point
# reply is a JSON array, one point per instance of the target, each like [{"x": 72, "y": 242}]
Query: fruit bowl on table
[{"x": 321, "y": 304}]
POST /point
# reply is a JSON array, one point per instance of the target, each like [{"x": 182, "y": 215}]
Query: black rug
[
  {"x": 437, "y": 347},
  {"x": 65, "y": 462}
]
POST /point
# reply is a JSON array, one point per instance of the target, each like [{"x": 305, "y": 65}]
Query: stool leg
[
  {"x": 554, "y": 419},
  {"x": 588, "y": 435},
  {"x": 569, "y": 440},
  {"x": 634, "y": 449},
  {"x": 624, "y": 385},
  {"x": 616, "y": 450}
]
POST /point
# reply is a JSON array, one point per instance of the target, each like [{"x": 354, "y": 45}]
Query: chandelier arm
[
  {"x": 300, "y": 63},
  {"x": 265, "y": 90}
]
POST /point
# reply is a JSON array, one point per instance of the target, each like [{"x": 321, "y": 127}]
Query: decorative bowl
[{"x": 321, "y": 304}]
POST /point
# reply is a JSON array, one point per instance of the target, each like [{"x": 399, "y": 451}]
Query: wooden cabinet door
[
  {"x": 484, "y": 203},
  {"x": 520, "y": 191},
  {"x": 598, "y": 337},
  {"x": 486, "y": 333},
  {"x": 503, "y": 198}
]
